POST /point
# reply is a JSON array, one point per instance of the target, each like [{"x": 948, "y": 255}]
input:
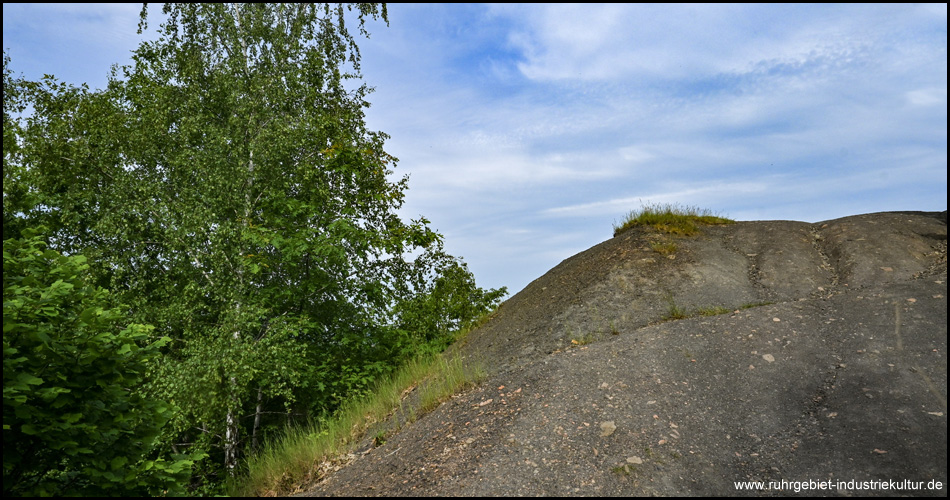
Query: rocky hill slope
[{"x": 803, "y": 352}]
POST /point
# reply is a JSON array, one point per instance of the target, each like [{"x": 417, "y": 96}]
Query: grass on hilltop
[{"x": 671, "y": 219}]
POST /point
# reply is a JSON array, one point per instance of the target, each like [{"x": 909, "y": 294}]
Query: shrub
[{"x": 74, "y": 421}]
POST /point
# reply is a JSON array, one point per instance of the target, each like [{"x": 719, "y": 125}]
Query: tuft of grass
[
  {"x": 380, "y": 439},
  {"x": 584, "y": 339},
  {"x": 304, "y": 454},
  {"x": 663, "y": 247},
  {"x": 622, "y": 470},
  {"x": 675, "y": 312},
  {"x": 670, "y": 218},
  {"x": 713, "y": 311}
]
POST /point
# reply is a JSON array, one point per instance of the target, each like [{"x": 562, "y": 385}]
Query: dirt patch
[{"x": 840, "y": 378}]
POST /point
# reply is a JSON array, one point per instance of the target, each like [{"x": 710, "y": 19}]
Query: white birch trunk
[{"x": 232, "y": 434}]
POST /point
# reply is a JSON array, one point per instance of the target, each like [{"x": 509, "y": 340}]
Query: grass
[
  {"x": 380, "y": 438},
  {"x": 304, "y": 454},
  {"x": 713, "y": 311},
  {"x": 622, "y": 470},
  {"x": 663, "y": 247},
  {"x": 584, "y": 339},
  {"x": 675, "y": 312},
  {"x": 671, "y": 219}
]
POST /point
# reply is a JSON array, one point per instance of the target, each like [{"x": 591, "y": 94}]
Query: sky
[{"x": 528, "y": 131}]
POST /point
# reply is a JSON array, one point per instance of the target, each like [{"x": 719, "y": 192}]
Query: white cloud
[
  {"x": 695, "y": 196},
  {"x": 604, "y": 42},
  {"x": 636, "y": 154},
  {"x": 932, "y": 96}
]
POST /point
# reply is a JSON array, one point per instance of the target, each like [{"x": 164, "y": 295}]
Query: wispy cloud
[{"x": 77, "y": 43}]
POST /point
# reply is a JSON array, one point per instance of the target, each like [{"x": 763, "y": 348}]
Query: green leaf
[
  {"x": 25, "y": 379},
  {"x": 118, "y": 462}
]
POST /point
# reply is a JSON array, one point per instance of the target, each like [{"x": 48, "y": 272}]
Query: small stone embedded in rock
[
  {"x": 768, "y": 357},
  {"x": 607, "y": 428},
  {"x": 635, "y": 460}
]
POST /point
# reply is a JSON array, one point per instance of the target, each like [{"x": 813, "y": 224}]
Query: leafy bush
[
  {"x": 445, "y": 302},
  {"x": 74, "y": 422}
]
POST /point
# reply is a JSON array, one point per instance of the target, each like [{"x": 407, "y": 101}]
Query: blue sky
[{"x": 529, "y": 130}]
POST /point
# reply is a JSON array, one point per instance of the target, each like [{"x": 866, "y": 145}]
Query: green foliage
[
  {"x": 439, "y": 299},
  {"x": 445, "y": 299},
  {"x": 75, "y": 421},
  {"x": 225, "y": 187},
  {"x": 297, "y": 456},
  {"x": 15, "y": 192},
  {"x": 670, "y": 219}
]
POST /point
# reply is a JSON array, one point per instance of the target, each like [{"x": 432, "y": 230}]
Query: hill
[{"x": 758, "y": 351}]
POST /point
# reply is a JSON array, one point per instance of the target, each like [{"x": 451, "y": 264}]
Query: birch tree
[{"x": 270, "y": 196}]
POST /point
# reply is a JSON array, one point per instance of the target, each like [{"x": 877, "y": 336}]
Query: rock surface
[{"x": 828, "y": 367}]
